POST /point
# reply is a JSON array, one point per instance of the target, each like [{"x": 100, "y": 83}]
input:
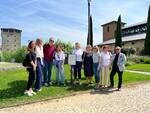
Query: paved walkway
[
  {"x": 10, "y": 66},
  {"x": 140, "y": 72},
  {"x": 134, "y": 99}
]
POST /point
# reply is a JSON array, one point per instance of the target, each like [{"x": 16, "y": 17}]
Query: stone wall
[
  {"x": 138, "y": 44},
  {"x": 10, "y": 40}
]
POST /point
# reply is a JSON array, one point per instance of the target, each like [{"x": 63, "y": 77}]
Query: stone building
[
  {"x": 132, "y": 35},
  {"x": 11, "y": 39}
]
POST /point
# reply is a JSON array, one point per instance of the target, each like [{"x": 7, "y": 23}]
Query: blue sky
[{"x": 67, "y": 19}]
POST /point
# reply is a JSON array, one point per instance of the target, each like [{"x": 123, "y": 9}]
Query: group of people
[
  {"x": 98, "y": 63},
  {"x": 39, "y": 61},
  {"x": 41, "y": 58}
]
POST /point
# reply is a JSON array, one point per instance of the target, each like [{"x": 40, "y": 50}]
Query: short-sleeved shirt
[
  {"x": 31, "y": 56},
  {"x": 48, "y": 52},
  {"x": 59, "y": 56},
  {"x": 106, "y": 58}
]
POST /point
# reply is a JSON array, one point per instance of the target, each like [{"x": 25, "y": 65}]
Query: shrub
[
  {"x": 17, "y": 56},
  {"x": 136, "y": 59},
  {"x": 130, "y": 63},
  {"x": 147, "y": 60},
  {"x": 7, "y": 56},
  {"x": 129, "y": 51}
]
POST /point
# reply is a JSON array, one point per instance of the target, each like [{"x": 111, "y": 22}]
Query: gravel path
[{"x": 134, "y": 99}]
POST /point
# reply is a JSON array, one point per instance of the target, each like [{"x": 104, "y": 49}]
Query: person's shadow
[{"x": 16, "y": 89}]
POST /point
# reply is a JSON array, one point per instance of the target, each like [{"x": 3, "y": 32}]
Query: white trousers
[{"x": 104, "y": 75}]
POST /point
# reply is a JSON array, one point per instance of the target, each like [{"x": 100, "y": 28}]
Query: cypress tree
[
  {"x": 90, "y": 32},
  {"x": 118, "y": 33},
  {"x": 147, "y": 39}
]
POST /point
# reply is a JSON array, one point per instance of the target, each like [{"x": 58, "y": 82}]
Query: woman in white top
[
  {"x": 77, "y": 68},
  {"x": 105, "y": 62},
  {"x": 59, "y": 57},
  {"x": 39, "y": 57}
]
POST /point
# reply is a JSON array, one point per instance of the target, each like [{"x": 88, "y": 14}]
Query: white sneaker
[
  {"x": 28, "y": 93},
  {"x": 38, "y": 90},
  {"x": 32, "y": 92}
]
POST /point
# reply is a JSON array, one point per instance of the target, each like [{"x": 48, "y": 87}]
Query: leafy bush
[
  {"x": 7, "y": 56},
  {"x": 130, "y": 63},
  {"x": 147, "y": 60},
  {"x": 136, "y": 59},
  {"x": 17, "y": 56},
  {"x": 129, "y": 51}
]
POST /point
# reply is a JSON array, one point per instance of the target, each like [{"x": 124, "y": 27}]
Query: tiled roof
[
  {"x": 132, "y": 25},
  {"x": 126, "y": 39}
]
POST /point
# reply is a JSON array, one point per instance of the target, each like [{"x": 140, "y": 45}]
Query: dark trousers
[
  {"x": 31, "y": 78},
  {"x": 39, "y": 74},
  {"x": 112, "y": 74},
  {"x": 77, "y": 70},
  {"x": 47, "y": 71}
]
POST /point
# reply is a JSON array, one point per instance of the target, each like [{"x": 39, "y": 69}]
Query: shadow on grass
[
  {"x": 83, "y": 87},
  {"x": 16, "y": 89},
  {"x": 104, "y": 91}
]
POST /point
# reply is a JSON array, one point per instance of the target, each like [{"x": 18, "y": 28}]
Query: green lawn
[
  {"x": 140, "y": 67},
  {"x": 13, "y": 84}
]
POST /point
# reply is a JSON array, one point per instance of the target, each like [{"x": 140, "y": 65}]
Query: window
[
  {"x": 108, "y": 29},
  {"x": 5, "y": 30},
  {"x": 11, "y": 30},
  {"x": 132, "y": 43}
]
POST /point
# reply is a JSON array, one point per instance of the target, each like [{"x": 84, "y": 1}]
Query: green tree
[
  {"x": 67, "y": 46},
  {"x": 90, "y": 33},
  {"x": 20, "y": 54},
  {"x": 147, "y": 39},
  {"x": 118, "y": 33},
  {"x": 17, "y": 55}
]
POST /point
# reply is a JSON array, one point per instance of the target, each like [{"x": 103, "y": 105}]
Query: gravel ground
[{"x": 133, "y": 99}]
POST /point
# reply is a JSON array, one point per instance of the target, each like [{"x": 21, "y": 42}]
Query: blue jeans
[
  {"x": 47, "y": 71},
  {"x": 59, "y": 71},
  {"x": 96, "y": 73},
  {"x": 39, "y": 74}
]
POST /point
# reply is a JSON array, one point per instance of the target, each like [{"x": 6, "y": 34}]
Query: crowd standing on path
[{"x": 41, "y": 58}]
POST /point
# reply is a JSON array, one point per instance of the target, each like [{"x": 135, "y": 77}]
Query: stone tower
[
  {"x": 109, "y": 30},
  {"x": 11, "y": 39}
]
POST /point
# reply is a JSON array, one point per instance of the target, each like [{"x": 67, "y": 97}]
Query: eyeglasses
[{"x": 51, "y": 40}]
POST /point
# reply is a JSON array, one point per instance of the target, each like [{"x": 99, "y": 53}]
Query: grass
[
  {"x": 140, "y": 67},
  {"x": 13, "y": 84}
]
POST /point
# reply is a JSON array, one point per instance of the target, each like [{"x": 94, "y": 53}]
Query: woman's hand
[
  {"x": 34, "y": 67},
  {"x": 62, "y": 66}
]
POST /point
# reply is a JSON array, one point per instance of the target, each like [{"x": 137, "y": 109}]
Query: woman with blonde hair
[
  {"x": 96, "y": 66},
  {"x": 39, "y": 58},
  {"x": 88, "y": 64},
  {"x": 77, "y": 68},
  {"x": 105, "y": 62}
]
